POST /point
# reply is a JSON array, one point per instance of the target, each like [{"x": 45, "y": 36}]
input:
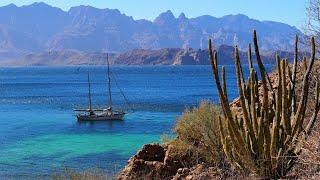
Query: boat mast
[
  {"x": 109, "y": 83},
  {"x": 89, "y": 94}
]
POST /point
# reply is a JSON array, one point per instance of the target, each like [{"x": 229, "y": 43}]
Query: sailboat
[{"x": 106, "y": 114}]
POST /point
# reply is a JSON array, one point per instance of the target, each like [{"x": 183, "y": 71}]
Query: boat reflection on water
[{"x": 96, "y": 125}]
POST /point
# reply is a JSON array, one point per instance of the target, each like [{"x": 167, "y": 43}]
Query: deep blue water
[{"x": 39, "y": 134}]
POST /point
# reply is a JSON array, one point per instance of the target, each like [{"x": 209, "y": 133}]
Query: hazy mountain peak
[
  {"x": 165, "y": 17},
  {"x": 168, "y": 13},
  {"x": 182, "y": 16},
  {"x": 82, "y": 8},
  {"x": 89, "y": 10},
  {"x": 37, "y": 5}
]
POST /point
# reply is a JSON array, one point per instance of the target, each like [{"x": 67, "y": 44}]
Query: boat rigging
[{"x": 109, "y": 113}]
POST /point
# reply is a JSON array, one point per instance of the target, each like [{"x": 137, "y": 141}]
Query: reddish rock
[
  {"x": 154, "y": 161},
  {"x": 151, "y": 162},
  {"x": 151, "y": 152}
]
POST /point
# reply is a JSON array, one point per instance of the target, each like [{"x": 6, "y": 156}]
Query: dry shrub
[{"x": 198, "y": 134}]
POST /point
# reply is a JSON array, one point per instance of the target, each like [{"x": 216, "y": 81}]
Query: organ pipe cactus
[{"x": 265, "y": 138}]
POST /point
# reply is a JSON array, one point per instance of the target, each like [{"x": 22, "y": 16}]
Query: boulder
[{"x": 154, "y": 161}]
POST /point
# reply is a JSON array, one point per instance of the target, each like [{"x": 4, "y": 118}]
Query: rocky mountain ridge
[{"x": 39, "y": 28}]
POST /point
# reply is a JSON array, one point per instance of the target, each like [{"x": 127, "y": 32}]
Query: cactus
[{"x": 266, "y": 138}]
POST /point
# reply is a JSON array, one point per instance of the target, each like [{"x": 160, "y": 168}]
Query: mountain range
[
  {"x": 165, "y": 56},
  {"x": 40, "y": 27}
]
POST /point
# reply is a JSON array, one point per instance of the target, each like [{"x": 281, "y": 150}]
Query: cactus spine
[{"x": 264, "y": 139}]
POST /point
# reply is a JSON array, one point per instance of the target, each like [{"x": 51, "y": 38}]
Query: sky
[{"x": 291, "y": 12}]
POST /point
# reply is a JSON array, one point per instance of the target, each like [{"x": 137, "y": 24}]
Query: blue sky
[{"x": 288, "y": 11}]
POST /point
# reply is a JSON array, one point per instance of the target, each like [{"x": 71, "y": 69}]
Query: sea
[{"x": 39, "y": 133}]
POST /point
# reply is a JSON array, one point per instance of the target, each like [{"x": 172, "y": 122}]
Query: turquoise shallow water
[{"x": 39, "y": 135}]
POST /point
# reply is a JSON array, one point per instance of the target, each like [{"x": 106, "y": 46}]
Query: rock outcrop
[{"x": 154, "y": 161}]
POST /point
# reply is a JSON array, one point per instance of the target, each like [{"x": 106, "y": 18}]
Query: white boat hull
[{"x": 101, "y": 117}]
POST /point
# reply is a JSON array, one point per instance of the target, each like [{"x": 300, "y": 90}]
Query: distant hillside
[
  {"x": 176, "y": 56},
  {"x": 39, "y": 27},
  {"x": 167, "y": 56},
  {"x": 56, "y": 58}
]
